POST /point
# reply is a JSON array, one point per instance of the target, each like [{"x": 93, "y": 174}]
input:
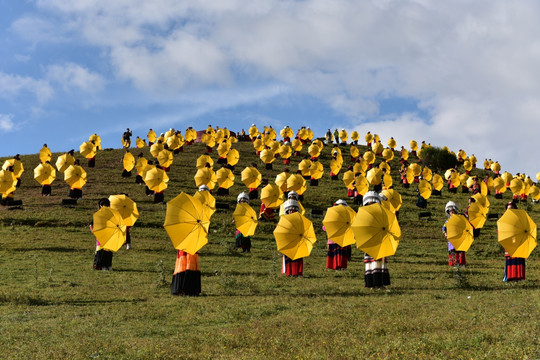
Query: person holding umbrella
[
  {"x": 514, "y": 267},
  {"x": 337, "y": 255},
  {"x": 242, "y": 242},
  {"x": 292, "y": 267},
  {"x": 102, "y": 257},
  {"x": 455, "y": 258}
]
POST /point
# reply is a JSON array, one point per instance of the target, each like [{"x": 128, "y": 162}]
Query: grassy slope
[{"x": 53, "y": 305}]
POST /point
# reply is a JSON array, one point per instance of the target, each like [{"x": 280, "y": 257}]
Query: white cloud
[
  {"x": 14, "y": 85},
  {"x": 6, "y": 122},
  {"x": 73, "y": 76}
]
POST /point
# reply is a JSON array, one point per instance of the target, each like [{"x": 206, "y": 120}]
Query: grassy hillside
[{"x": 54, "y": 305}]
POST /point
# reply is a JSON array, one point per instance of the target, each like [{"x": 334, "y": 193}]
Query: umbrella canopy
[
  {"x": 348, "y": 179},
  {"x": 459, "y": 232},
  {"x": 477, "y": 215},
  {"x": 156, "y": 179},
  {"x": 369, "y": 156},
  {"x": 374, "y": 176},
  {"x": 316, "y": 170},
  {"x": 232, "y": 157},
  {"x": 507, "y": 177},
  {"x": 202, "y": 160},
  {"x": 388, "y": 154},
  {"x": 208, "y": 201},
  {"x": 337, "y": 223},
  {"x": 376, "y": 230},
  {"x": 267, "y": 156},
  {"x": 44, "y": 174},
  {"x": 304, "y": 166},
  {"x": 285, "y": 151},
  {"x": 499, "y": 185},
  {"x": 294, "y": 236},
  {"x": 8, "y": 181},
  {"x": 251, "y": 177},
  {"x": 109, "y": 229},
  {"x": 140, "y": 165},
  {"x": 354, "y": 151},
  {"x": 314, "y": 150},
  {"x": 517, "y": 186},
  {"x": 126, "y": 207},
  {"x": 377, "y": 148},
  {"x": 361, "y": 184},
  {"x": 424, "y": 188},
  {"x": 427, "y": 173},
  {"x": 165, "y": 158},
  {"x": 17, "y": 166},
  {"x": 140, "y": 143},
  {"x": 75, "y": 176},
  {"x": 156, "y": 148},
  {"x": 223, "y": 148},
  {"x": 272, "y": 196},
  {"x": 224, "y": 178},
  {"x": 45, "y": 154},
  {"x": 416, "y": 169},
  {"x": 296, "y": 145},
  {"x": 437, "y": 182},
  {"x": 64, "y": 161},
  {"x": 281, "y": 180},
  {"x": 245, "y": 219},
  {"x": 88, "y": 149},
  {"x": 482, "y": 200},
  {"x": 296, "y": 183},
  {"x": 535, "y": 192},
  {"x": 128, "y": 161},
  {"x": 360, "y": 166},
  {"x": 186, "y": 223},
  {"x": 335, "y": 166},
  {"x": 205, "y": 176},
  {"x": 394, "y": 198},
  {"x": 517, "y": 233}
]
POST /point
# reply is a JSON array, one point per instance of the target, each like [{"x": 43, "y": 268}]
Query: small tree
[{"x": 436, "y": 158}]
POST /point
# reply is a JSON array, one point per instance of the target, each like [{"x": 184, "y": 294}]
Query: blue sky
[{"x": 460, "y": 74}]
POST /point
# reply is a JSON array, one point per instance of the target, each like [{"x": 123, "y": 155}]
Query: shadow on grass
[{"x": 53, "y": 248}]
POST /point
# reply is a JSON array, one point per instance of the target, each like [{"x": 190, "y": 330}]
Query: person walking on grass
[
  {"x": 102, "y": 257},
  {"x": 455, "y": 258}
]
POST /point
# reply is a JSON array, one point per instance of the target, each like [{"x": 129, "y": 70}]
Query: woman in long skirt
[
  {"x": 514, "y": 267},
  {"x": 337, "y": 256},
  {"x": 187, "y": 275},
  {"x": 292, "y": 267}
]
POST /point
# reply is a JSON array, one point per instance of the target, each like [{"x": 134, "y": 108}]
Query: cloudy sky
[{"x": 464, "y": 74}]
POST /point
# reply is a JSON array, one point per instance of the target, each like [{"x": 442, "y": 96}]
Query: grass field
[{"x": 54, "y": 305}]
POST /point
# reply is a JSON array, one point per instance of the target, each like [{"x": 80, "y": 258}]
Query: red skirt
[
  {"x": 456, "y": 258},
  {"x": 514, "y": 269},
  {"x": 337, "y": 257},
  {"x": 292, "y": 267}
]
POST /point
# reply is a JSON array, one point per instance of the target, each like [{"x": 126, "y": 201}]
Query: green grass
[{"x": 53, "y": 305}]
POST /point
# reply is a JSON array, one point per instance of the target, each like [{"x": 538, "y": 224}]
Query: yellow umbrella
[
  {"x": 427, "y": 173},
  {"x": 223, "y": 148},
  {"x": 517, "y": 186},
  {"x": 296, "y": 145},
  {"x": 424, "y": 187},
  {"x": 483, "y": 188},
  {"x": 8, "y": 182},
  {"x": 316, "y": 170},
  {"x": 296, "y": 183},
  {"x": 251, "y": 177},
  {"x": 507, "y": 177},
  {"x": 335, "y": 166},
  {"x": 314, "y": 150},
  {"x": 388, "y": 154},
  {"x": 392, "y": 143},
  {"x": 202, "y": 160},
  {"x": 376, "y": 230},
  {"x": 126, "y": 207},
  {"x": 482, "y": 200},
  {"x": 75, "y": 176},
  {"x": 394, "y": 198},
  {"x": 377, "y": 148},
  {"x": 141, "y": 164},
  {"x": 128, "y": 161},
  {"x": 165, "y": 158},
  {"x": 258, "y": 144},
  {"x": 448, "y": 173},
  {"x": 272, "y": 196},
  {"x": 416, "y": 169},
  {"x": 437, "y": 182},
  {"x": 140, "y": 143},
  {"x": 337, "y": 223},
  {"x": 535, "y": 192},
  {"x": 45, "y": 154},
  {"x": 354, "y": 151},
  {"x": 64, "y": 161},
  {"x": 285, "y": 151},
  {"x": 304, "y": 166},
  {"x": 286, "y": 132},
  {"x": 459, "y": 232},
  {"x": 232, "y": 157},
  {"x": 267, "y": 156},
  {"x": 44, "y": 174},
  {"x": 517, "y": 233},
  {"x": 17, "y": 166},
  {"x": 495, "y": 167},
  {"x": 245, "y": 219},
  {"x": 281, "y": 180},
  {"x": 109, "y": 229},
  {"x": 186, "y": 223},
  {"x": 88, "y": 149},
  {"x": 156, "y": 179},
  {"x": 477, "y": 215},
  {"x": 499, "y": 185},
  {"x": 205, "y": 176},
  {"x": 374, "y": 175},
  {"x": 294, "y": 236},
  {"x": 348, "y": 179},
  {"x": 208, "y": 201},
  {"x": 361, "y": 184},
  {"x": 414, "y": 145},
  {"x": 225, "y": 178},
  {"x": 156, "y": 148},
  {"x": 467, "y": 165},
  {"x": 463, "y": 179}
]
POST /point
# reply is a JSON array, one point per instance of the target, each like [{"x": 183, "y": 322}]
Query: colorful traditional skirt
[
  {"x": 337, "y": 257},
  {"x": 514, "y": 269},
  {"x": 187, "y": 275},
  {"x": 456, "y": 258},
  {"x": 292, "y": 267},
  {"x": 376, "y": 274}
]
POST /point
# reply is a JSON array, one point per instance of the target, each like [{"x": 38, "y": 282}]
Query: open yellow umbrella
[
  {"x": 272, "y": 196},
  {"x": 314, "y": 150},
  {"x": 140, "y": 165},
  {"x": 507, "y": 177},
  {"x": 126, "y": 207},
  {"x": 360, "y": 167},
  {"x": 482, "y": 200},
  {"x": 8, "y": 182},
  {"x": 337, "y": 223},
  {"x": 186, "y": 223},
  {"x": 517, "y": 233},
  {"x": 376, "y": 230},
  {"x": 88, "y": 149},
  {"x": 156, "y": 179},
  {"x": 374, "y": 176},
  {"x": 140, "y": 143},
  {"x": 499, "y": 185},
  {"x": 304, "y": 166},
  {"x": 267, "y": 156},
  {"x": 369, "y": 156},
  {"x": 285, "y": 151},
  {"x": 202, "y": 160},
  {"x": 459, "y": 232},
  {"x": 296, "y": 183},
  {"x": 296, "y": 145},
  {"x": 223, "y": 148},
  {"x": 17, "y": 166},
  {"x": 388, "y": 154},
  {"x": 286, "y": 132},
  {"x": 251, "y": 177},
  {"x": 294, "y": 236},
  {"x": 316, "y": 170},
  {"x": 477, "y": 215},
  {"x": 109, "y": 229},
  {"x": 424, "y": 187},
  {"x": 377, "y": 148},
  {"x": 205, "y": 176},
  {"x": 208, "y": 201},
  {"x": 165, "y": 158},
  {"x": 416, "y": 169},
  {"x": 156, "y": 148},
  {"x": 258, "y": 145},
  {"x": 437, "y": 182},
  {"x": 535, "y": 192},
  {"x": 225, "y": 178},
  {"x": 64, "y": 161},
  {"x": 233, "y": 156},
  {"x": 75, "y": 176},
  {"x": 45, "y": 154},
  {"x": 128, "y": 161},
  {"x": 354, "y": 151},
  {"x": 394, "y": 198},
  {"x": 44, "y": 174},
  {"x": 348, "y": 179},
  {"x": 448, "y": 173},
  {"x": 361, "y": 184},
  {"x": 335, "y": 166},
  {"x": 245, "y": 219},
  {"x": 517, "y": 186},
  {"x": 281, "y": 180},
  {"x": 427, "y": 173}
]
